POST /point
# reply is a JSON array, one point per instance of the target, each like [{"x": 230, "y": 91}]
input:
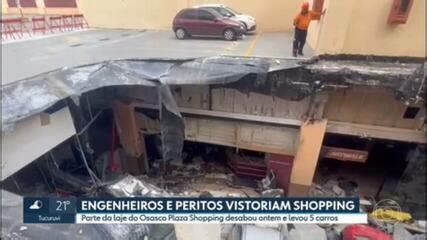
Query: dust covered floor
[{"x": 203, "y": 172}]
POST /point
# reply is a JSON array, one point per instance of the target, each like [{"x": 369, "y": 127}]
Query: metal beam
[
  {"x": 345, "y": 128},
  {"x": 380, "y": 132}
]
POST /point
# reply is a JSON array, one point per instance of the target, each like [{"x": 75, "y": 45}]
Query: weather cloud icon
[{"x": 36, "y": 205}]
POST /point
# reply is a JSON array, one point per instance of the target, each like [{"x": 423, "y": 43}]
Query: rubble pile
[
  {"x": 316, "y": 232},
  {"x": 200, "y": 178},
  {"x": 340, "y": 187}
]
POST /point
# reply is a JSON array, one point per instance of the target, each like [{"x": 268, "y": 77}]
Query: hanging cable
[
  {"x": 96, "y": 181},
  {"x": 89, "y": 108},
  {"x": 90, "y": 123}
]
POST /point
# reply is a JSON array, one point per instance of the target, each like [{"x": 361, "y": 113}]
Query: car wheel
[
  {"x": 229, "y": 34},
  {"x": 180, "y": 33}
]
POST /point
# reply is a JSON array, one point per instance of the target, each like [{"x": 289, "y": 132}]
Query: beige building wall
[
  {"x": 4, "y": 6},
  {"x": 271, "y": 15},
  {"x": 360, "y": 27},
  {"x": 136, "y": 14}
]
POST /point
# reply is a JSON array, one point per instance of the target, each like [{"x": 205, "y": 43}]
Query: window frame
[
  {"x": 60, "y": 3},
  {"x": 24, "y": 3}
]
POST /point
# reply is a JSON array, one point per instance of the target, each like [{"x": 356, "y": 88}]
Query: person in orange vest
[{"x": 301, "y": 23}]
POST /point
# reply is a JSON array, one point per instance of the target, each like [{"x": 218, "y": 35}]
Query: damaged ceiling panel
[
  {"x": 277, "y": 77},
  {"x": 407, "y": 79},
  {"x": 30, "y": 96}
]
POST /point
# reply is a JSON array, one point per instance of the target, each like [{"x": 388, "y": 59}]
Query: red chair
[
  {"x": 39, "y": 24},
  {"x": 55, "y": 23},
  {"x": 11, "y": 28},
  {"x": 67, "y": 22},
  {"x": 80, "y": 21}
]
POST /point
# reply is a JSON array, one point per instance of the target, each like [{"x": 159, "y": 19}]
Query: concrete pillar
[
  {"x": 40, "y": 3},
  {"x": 306, "y": 157},
  {"x": 40, "y": 6}
]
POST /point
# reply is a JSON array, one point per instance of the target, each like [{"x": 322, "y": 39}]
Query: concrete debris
[
  {"x": 205, "y": 194},
  {"x": 250, "y": 232},
  {"x": 365, "y": 202},
  {"x": 235, "y": 233},
  {"x": 383, "y": 226},
  {"x": 237, "y": 181},
  {"x": 389, "y": 229},
  {"x": 338, "y": 191},
  {"x": 421, "y": 224},
  {"x": 275, "y": 226},
  {"x": 335, "y": 188},
  {"x": 273, "y": 193},
  {"x": 350, "y": 187},
  {"x": 218, "y": 176},
  {"x": 307, "y": 232},
  {"x": 419, "y": 237},
  {"x": 412, "y": 183},
  {"x": 197, "y": 161},
  {"x": 269, "y": 181},
  {"x": 284, "y": 233},
  {"x": 177, "y": 163},
  {"x": 332, "y": 234},
  {"x": 414, "y": 228},
  {"x": 339, "y": 227},
  {"x": 400, "y": 233},
  {"x": 130, "y": 186},
  {"x": 235, "y": 195},
  {"x": 198, "y": 176}
]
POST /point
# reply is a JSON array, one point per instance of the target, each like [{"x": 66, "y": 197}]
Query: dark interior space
[{"x": 380, "y": 177}]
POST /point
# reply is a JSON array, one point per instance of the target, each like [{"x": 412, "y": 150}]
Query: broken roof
[{"x": 33, "y": 95}]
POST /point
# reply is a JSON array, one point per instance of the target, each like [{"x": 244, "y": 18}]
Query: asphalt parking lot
[{"x": 26, "y": 58}]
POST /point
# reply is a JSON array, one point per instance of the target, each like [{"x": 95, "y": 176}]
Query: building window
[
  {"x": 317, "y": 8},
  {"x": 23, "y": 3},
  {"x": 404, "y": 6},
  {"x": 60, "y": 3},
  {"x": 400, "y": 11},
  {"x": 411, "y": 112}
]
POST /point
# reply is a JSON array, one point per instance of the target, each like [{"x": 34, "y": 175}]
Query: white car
[{"x": 247, "y": 21}]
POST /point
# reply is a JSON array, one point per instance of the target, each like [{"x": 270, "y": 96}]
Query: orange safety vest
[{"x": 303, "y": 21}]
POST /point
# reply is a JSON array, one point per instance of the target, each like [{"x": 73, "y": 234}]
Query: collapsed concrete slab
[
  {"x": 279, "y": 96},
  {"x": 30, "y": 96}
]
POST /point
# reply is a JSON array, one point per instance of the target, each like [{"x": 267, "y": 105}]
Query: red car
[{"x": 207, "y": 23}]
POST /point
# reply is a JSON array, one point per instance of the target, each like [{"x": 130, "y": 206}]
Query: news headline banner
[{"x": 192, "y": 210}]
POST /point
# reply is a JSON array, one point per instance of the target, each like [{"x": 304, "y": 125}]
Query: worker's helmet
[{"x": 305, "y": 6}]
